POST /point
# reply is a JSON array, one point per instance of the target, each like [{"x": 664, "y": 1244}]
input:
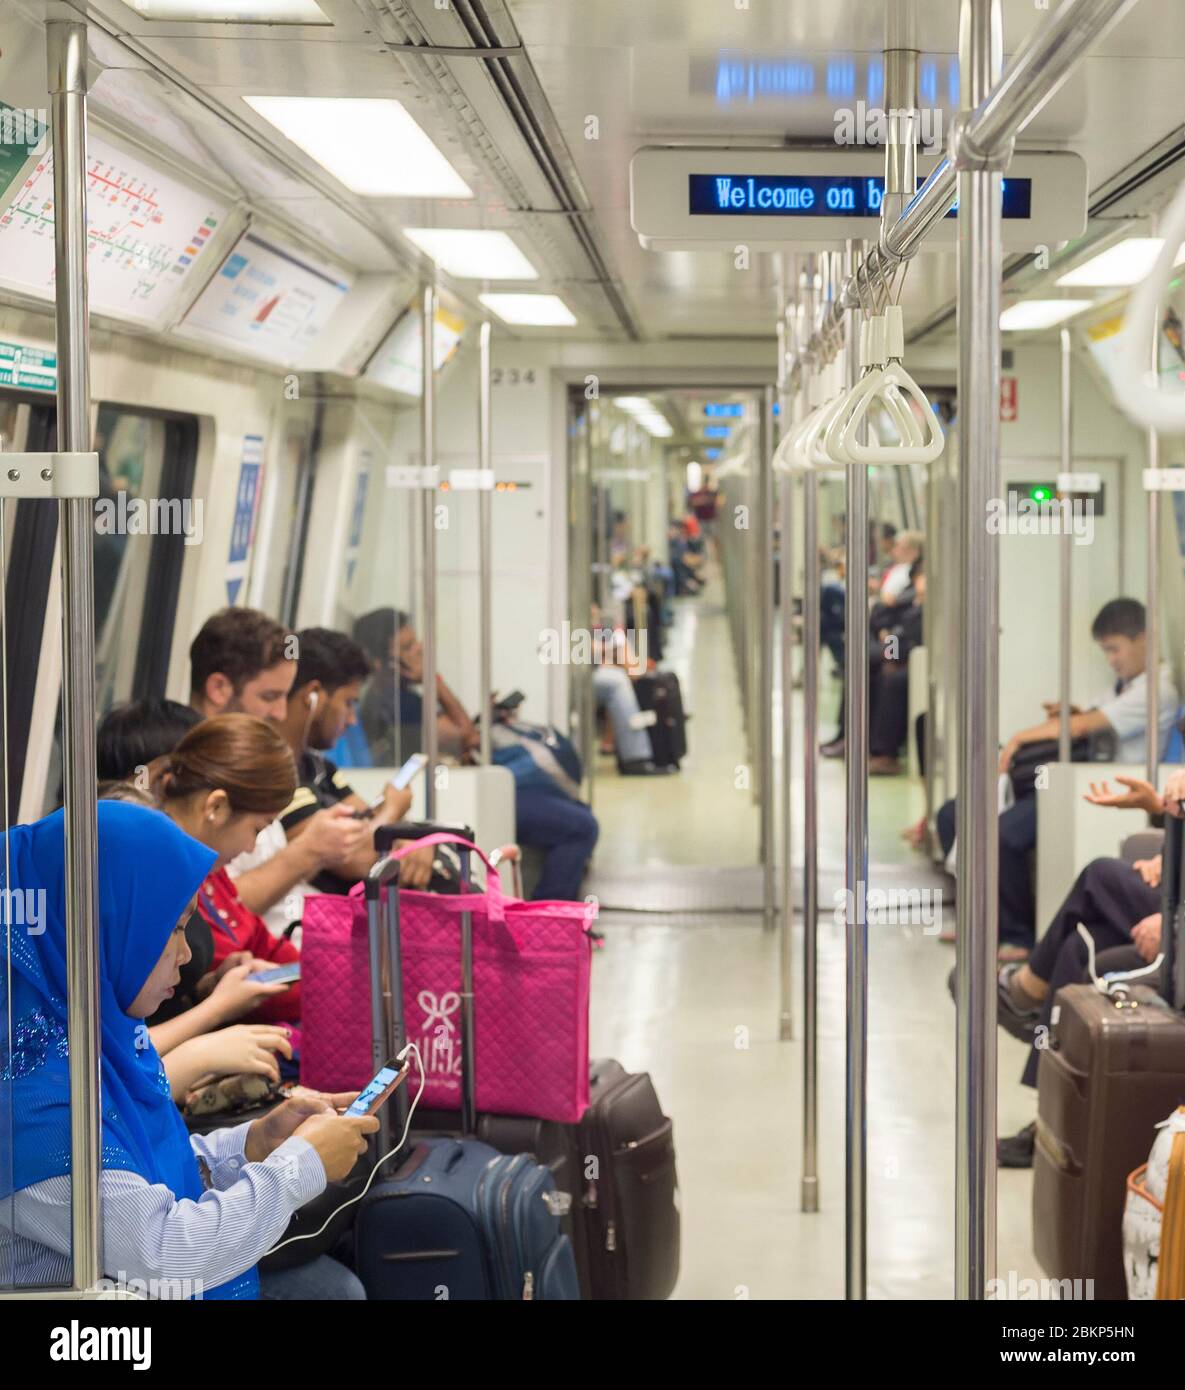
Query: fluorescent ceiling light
[
  {"x": 633, "y": 403},
  {"x": 473, "y": 255},
  {"x": 233, "y": 11},
  {"x": 1040, "y": 313},
  {"x": 1126, "y": 263},
  {"x": 536, "y": 310},
  {"x": 370, "y": 144}
]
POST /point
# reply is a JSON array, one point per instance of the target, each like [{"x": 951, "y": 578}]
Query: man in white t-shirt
[{"x": 1118, "y": 628}]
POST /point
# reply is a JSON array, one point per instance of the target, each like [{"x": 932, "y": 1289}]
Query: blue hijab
[{"x": 149, "y": 869}]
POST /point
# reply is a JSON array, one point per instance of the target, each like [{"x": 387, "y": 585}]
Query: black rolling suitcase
[
  {"x": 668, "y": 734},
  {"x": 617, "y": 1164},
  {"x": 456, "y": 1219}
]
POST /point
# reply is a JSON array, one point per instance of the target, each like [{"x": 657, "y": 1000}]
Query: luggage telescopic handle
[
  {"x": 1172, "y": 927},
  {"x": 384, "y": 872},
  {"x": 386, "y": 835}
]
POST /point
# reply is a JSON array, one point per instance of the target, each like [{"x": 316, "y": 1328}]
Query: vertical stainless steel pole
[
  {"x": 785, "y": 595},
  {"x": 765, "y": 658},
  {"x": 428, "y": 496},
  {"x": 1152, "y": 607},
  {"x": 485, "y": 521},
  {"x": 67, "y": 87},
  {"x": 810, "y": 808},
  {"x": 1065, "y": 561},
  {"x": 856, "y": 848},
  {"x": 981, "y": 51}
]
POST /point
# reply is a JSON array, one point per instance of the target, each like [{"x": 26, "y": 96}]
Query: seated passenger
[
  {"x": 888, "y": 689},
  {"x": 243, "y": 662},
  {"x": 185, "y": 1214},
  {"x": 323, "y": 702},
  {"x": 224, "y": 783},
  {"x": 543, "y": 815},
  {"x": 616, "y": 667},
  {"x": 1119, "y": 630}
]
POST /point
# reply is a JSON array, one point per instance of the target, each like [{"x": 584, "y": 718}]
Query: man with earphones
[
  {"x": 243, "y": 662},
  {"x": 321, "y": 705}
]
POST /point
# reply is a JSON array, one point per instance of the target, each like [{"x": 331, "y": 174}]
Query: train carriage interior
[{"x": 759, "y": 426}]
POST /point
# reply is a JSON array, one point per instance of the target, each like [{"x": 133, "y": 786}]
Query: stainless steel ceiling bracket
[
  {"x": 49, "y": 476},
  {"x": 966, "y": 155}
]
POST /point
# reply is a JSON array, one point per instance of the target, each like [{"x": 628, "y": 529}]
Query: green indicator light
[{"x": 1040, "y": 494}]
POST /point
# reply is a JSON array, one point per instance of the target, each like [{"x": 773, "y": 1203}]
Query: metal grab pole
[
  {"x": 980, "y": 266},
  {"x": 856, "y": 846},
  {"x": 485, "y": 523},
  {"x": 1065, "y": 564},
  {"x": 67, "y": 51},
  {"x": 810, "y": 810},
  {"x": 765, "y": 658},
  {"x": 1152, "y": 607},
  {"x": 785, "y": 591},
  {"x": 429, "y": 711}
]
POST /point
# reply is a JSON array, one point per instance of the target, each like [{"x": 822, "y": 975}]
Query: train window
[
  {"x": 145, "y": 520},
  {"x": 287, "y": 502}
]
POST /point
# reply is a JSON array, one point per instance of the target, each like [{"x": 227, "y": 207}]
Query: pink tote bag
[{"x": 531, "y": 975}]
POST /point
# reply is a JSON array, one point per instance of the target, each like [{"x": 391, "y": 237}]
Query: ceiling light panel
[
  {"x": 472, "y": 255},
  {"x": 1032, "y": 314},
  {"x": 1126, "y": 263},
  {"x": 530, "y": 310},
  {"x": 370, "y": 144},
  {"x": 232, "y": 11}
]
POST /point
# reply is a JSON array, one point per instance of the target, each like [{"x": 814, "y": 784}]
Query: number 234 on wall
[{"x": 512, "y": 376}]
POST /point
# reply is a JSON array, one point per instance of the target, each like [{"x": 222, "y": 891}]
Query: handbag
[
  {"x": 531, "y": 979},
  {"x": 552, "y": 752},
  {"x": 1154, "y": 1218},
  {"x": 1090, "y": 748}
]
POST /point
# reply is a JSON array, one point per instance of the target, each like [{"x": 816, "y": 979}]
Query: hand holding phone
[{"x": 380, "y": 1090}]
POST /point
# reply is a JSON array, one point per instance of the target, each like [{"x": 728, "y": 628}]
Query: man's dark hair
[
  {"x": 132, "y": 734},
  {"x": 888, "y": 531},
  {"x": 237, "y": 643},
  {"x": 373, "y": 631},
  {"x": 329, "y": 657},
  {"x": 1122, "y": 617}
]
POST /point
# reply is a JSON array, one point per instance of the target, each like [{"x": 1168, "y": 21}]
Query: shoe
[
  {"x": 1016, "y": 1151},
  {"x": 879, "y": 765},
  {"x": 644, "y": 768},
  {"x": 1019, "y": 1023},
  {"x": 832, "y": 750}
]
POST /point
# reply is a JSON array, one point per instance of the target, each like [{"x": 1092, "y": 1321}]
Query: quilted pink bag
[{"x": 531, "y": 973}]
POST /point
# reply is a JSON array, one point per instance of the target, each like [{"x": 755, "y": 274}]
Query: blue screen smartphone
[
  {"x": 380, "y": 1090},
  {"x": 279, "y": 974}
]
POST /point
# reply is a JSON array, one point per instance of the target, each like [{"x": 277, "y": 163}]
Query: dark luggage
[
  {"x": 457, "y": 1219},
  {"x": 1114, "y": 1069},
  {"x": 668, "y": 734},
  {"x": 618, "y": 1167},
  {"x": 629, "y": 1202},
  {"x": 461, "y": 1221}
]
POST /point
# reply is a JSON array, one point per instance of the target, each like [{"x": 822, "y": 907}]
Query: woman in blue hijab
[{"x": 186, "y": 1215}]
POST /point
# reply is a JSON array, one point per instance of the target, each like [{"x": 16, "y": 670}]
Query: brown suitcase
[{"x": 1115, "y": 1068}]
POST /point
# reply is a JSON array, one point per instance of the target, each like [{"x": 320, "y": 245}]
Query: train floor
[{"x": 692, "y": 997}]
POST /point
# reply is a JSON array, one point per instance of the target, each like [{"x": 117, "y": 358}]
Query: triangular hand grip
[
  {"x": 834, "y": 436},
  {"x": 896, "y": 375}
]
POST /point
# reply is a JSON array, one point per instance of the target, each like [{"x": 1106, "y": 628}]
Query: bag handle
[{"x": 495, "y": 901}]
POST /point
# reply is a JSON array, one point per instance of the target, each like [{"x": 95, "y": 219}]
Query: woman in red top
[{"x": 226, "y": 780}]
